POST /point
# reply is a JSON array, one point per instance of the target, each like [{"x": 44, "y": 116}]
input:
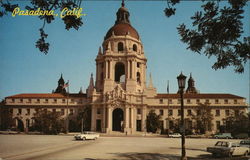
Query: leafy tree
[
  {"x": 217, "y": 31},
  {"x": 82, "y": 122},
  {"x": 153, "y": 121},
  {"x": 48, "y": 122},
  {"x": 7, "y": 122},
  {"x": 237, "y": 123},
  {"x": 84, "y": 118},
  {"x": 70, "y": 21},
  {"x": 203, "y": 119}
]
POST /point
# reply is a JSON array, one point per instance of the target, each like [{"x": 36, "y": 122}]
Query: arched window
[
  {"x": 120, "y": 46},
  {"x": 138, "y": 77},
  {"x": 135, "y": 47},
  {"x": 119, "y": 71}
]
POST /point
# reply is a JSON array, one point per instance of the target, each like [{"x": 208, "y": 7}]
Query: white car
[
  {"x": 174, "y": 135},
  {"x": 87, "y": 135},
  {"x": 224, "y": 148}
]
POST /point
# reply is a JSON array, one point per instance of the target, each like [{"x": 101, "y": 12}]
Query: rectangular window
[
  {"x": 54, "y": 110},
  {"x": 207, "y": 100},
  {"x": 188, "y": 101},
  {"x": 170, "y": 101},
  {"x": 138, "y": 64},
  {"x": 236, "y": 112},
  {"x": 217, "y": 112},
  {"x": 46, "y": 100},
  {"x": 227, "y": 112},
  {"x": 198, "y": 112},
  {"x": 226, "y": 101},
  {"x": 179, "y": 101},
  {"x": 28, "y": 111},
  {"x": 71, "y": 111},
  {"x": 37, "y": 100},
  {"x": 62, "y": 111},
  {"x": 218, "y": 125},
  {"x": 21, "y": 100},
  {"x": 161, "y": 112},
  {"x": 13, "y": 100},
  {"x": 72, "y": 100},
  {"x": 29, "y": 101},
  {"x": 197, "y": 101},
  {"x": 138, "y": 111},
  {"x": 216, "y": 101},
  {"x": 55, "y": 100},
  {"x": 179, "y": 112},
  {"x": 189, "y": 112},
  {"x": 161, "y": 101},
  {"x": 19, "y": 110},
  {"x": 170, "y": 112},
  {"x": 235, "y": 101},
  {"x": 98, "y": 111},
  {"x": 45, "y": 110},
  {"x": 63, "y": 100},
  {"x": 37, "y": 110}
]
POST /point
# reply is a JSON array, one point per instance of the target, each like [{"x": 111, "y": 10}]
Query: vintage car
[
  {"x": 223, "y": 135},
  {"x": 87, "y": 135},
  {"x": 174, "y": 135},
  {"x": 245, "y": 143},
  {"x": 224, "y": 148}
]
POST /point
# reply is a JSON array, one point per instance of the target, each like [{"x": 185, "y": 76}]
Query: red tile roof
[
  {"x": 45, "y": 95},
  {"x": 200, "y": 95}
]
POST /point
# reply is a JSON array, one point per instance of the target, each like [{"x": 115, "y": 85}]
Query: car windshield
[
  {"x": 223, "y": 144},
  {"x": 245, "y": 142}
]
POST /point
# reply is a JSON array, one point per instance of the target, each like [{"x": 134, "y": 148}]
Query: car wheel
[
  {"x": 83, "y": 138},
  {"x": 214, "y": 154},
  {"x": 246, "y": 153},
  {"x": 230, "y": 155}
]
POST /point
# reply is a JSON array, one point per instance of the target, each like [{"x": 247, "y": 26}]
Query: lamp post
[{"x": 181, "y": 83}]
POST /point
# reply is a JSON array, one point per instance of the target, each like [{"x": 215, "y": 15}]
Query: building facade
[{"x": 121, "y": 97}]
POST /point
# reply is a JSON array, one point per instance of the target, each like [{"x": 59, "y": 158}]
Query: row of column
[{"x": 130, "y": 117}]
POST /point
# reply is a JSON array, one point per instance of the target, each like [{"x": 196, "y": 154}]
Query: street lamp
[{"x": 181, "y": 83}]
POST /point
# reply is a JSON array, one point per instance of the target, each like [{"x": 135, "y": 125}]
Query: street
[{"x": 41, "y": 147}]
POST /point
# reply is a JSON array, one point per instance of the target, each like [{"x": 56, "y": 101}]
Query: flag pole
[
  {"x": 168, "y": 93},
  {"x": 67, "y": 110}
]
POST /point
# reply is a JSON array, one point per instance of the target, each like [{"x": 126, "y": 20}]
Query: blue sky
[{"x": 24, "y": 69}]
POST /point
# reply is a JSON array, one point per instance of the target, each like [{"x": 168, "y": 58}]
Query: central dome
[
  {"x": 122, "y": 25},
  {"x": 122, "y": 29}
]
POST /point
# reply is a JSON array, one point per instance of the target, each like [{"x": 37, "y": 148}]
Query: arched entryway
[
  {"x": 117, "y": 119},
  {"x": 119, "y": 71}
]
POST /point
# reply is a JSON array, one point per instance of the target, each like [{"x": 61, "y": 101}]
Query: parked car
[
  {"x": 174, "y": 135},
  {"x": 224, "y": 148},
  {"x": 241, "y": 136},
  {"x": 245, "y": 143},
  {"x": 87, "y": 135},
  {"x": 223, "y": 135}
]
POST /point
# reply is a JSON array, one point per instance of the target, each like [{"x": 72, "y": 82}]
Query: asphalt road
[{"x": 44, "y": 147}]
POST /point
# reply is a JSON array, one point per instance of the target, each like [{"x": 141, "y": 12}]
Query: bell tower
[{"x": 121, "y": 58}]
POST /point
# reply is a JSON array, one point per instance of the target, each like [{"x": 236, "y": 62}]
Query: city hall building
[{"x": 120, "y": 96}]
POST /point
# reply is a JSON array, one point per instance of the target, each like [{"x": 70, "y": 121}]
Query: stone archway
[{"x": 117, "y": 120}]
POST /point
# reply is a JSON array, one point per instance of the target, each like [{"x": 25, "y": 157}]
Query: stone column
[
  {"x": 132, "y": 126},
  {"x": 93, "y": 118},
  {"x": 109, "y": 119},
  {"x": 143, "y": 121},
  {"x": 126, "y": 127},
  {"x": 127, "y": 70},
  {"x": 111, "y": 70},
  {"x": 104, "y": 118}
]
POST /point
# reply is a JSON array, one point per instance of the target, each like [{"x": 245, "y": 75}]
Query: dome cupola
[{"x": 122, "y": 25}]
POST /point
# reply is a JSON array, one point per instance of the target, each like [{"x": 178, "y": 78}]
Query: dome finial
[{"x": 123, "y": 4}]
